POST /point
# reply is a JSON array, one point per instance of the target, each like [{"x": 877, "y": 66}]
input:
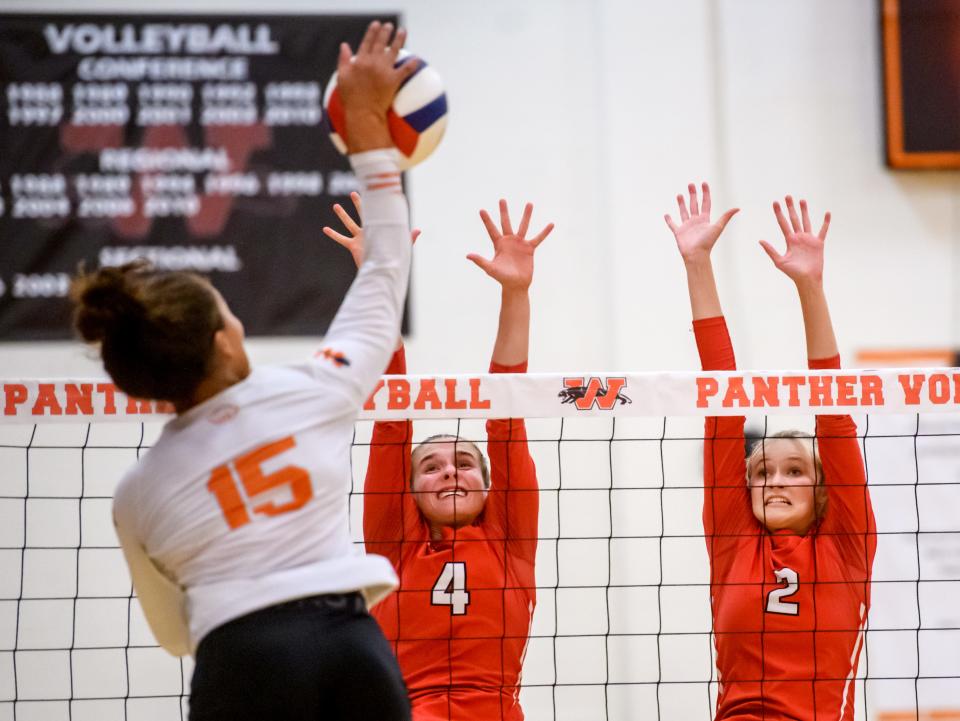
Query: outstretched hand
[
  {"x": 696, "y": 235},
  {"x": 512, "y": 262},
  {"x": 354, "y": 241},
  {"x": 803, "y": 260},
  {"x": 367, "y": 83}
]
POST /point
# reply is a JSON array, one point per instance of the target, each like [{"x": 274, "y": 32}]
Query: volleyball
[{"x": 417, "y": 118}]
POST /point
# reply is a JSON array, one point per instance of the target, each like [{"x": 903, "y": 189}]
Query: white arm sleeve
[
  {"x": 365, "y": 330},
  {"x": 162, "y": 600}
]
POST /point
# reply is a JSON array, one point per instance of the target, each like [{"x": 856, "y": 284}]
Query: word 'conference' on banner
[{"x": 196, "y": 142}]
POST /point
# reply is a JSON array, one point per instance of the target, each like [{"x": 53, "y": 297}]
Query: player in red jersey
[
  {"x": 790, "y": 530},
  {"x": 462, "y": 539}
]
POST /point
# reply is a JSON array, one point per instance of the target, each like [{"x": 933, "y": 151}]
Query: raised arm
[
  {"x": 849, "y": 516},
  {"x": 802, "y": 262},
  {"x": 696, "y": 236},
  {"x": 390, "y": 514},
  {"x": 364, "y": 331},
  {"x": 512, "y": 267},
  {"x": 513, "y": 505},
  {"x": 726, "y": 504}
]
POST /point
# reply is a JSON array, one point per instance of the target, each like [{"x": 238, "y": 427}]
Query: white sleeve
[
  {"x": 364, "y": 332},
  {"x": 162, "y": 600}
]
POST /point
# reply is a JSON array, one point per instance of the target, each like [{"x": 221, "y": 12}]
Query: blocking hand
[
  {"x": 696, "y": 235},
  {"x": 354, "y": 241},
  {"x": 803, "y": 260},
  {"x": 512, "y": 262}
]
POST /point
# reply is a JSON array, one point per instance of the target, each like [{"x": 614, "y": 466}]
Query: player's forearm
[
  {"x": 398, "y": 361},
  {"x": 516, "y": 499},
  {"x": 390, "y": 444},
  {"x": 366, "y": 130},
  {"x": 513, "y": 331},
  {"x": 702, "y": 287},
  {"x": 723, "y": 435},
  {"x": 849, "y": 510},
  {"x": 386, "y": 224},
  {"x": 388, "y": 472},
  {"x": 162, "y": 601},
  {"x": 510, "y": 453},
  {"x": 821, "y": 341},
  {"x": 367, "y": 324},
  {"x": 723, "y": 458},
  {"x": 714, "y": 344}
]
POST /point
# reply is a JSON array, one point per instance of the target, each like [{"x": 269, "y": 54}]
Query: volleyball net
[{"x": 622, "y": 626}]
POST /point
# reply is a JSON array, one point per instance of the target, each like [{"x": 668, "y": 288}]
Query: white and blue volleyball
[{"x": 418, "y": 116}]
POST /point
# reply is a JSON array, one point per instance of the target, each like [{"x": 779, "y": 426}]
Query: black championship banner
[{"x": 197, "y": 142}]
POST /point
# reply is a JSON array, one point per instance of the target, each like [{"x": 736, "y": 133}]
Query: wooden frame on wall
[{"x": 902, "y": 150}]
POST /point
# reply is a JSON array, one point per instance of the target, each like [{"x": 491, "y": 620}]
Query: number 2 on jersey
[
  {"x": 775, "y": 602},
  {"x": 451, "y": 588},
  {"x": 236, "y": 509}
]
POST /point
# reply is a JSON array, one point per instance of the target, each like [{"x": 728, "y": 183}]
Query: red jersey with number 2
[
  {"x": 788, "y": 610},
  {"x": 460, "y": 621}
]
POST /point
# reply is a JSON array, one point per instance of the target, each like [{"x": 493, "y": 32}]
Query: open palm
[
  {"x": 512, "y": 262},
  {"x": 695, "y": 234},
  {"x": 354, "y": 241},
  {"x": 803, "y": 259}
]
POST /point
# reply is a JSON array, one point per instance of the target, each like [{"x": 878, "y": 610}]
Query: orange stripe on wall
[{"x": 893, "y": 357}]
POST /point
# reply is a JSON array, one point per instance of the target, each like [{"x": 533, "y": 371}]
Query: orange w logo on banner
[{"x": 585, "y": 393}]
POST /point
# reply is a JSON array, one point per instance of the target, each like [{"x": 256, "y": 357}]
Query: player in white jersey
[{"x": 235, "y": 523}]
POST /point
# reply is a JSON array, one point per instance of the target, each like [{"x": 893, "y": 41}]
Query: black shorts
[{"x": 313, "y": 659}]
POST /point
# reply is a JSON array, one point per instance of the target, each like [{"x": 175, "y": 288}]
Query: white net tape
[{"x": 711, "y": 393}]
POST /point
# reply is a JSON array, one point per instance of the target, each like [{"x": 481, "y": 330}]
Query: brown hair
[
  {"x": 820, "y": 494},
  {"x": 484, "y": 469},
  {"x": 155, "y": 329}
]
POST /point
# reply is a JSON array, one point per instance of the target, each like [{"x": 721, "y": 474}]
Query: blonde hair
[
  {"x": 820, "y": 494},
  {"x": 484, "y": 468}
]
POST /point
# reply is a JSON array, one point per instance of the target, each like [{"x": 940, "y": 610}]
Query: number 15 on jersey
[{"x": 451, "y": 588}]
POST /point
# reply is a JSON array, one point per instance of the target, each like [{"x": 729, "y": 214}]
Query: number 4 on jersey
[{"x": 451, "y": 588}]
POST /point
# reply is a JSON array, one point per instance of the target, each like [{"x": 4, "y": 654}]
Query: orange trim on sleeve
[
  {"x": 381, "y": 186},
  {"x": 824, "y": 363},
  {"x": 500, "y": 368}
]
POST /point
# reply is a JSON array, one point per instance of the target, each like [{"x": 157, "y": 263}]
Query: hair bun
[{"x": 106, "y": 302}]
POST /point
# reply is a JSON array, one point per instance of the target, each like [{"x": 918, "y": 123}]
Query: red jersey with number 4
[
  {"x": 788, "y": 610},
  {"x": 460, "y": 621}
]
